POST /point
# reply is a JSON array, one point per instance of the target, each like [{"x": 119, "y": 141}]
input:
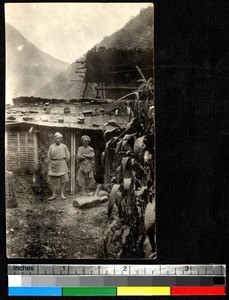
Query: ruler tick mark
[{"x": 194, "y": 270}]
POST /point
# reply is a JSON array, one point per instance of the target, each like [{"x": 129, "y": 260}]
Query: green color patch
[{"x": 89, "y": 291}]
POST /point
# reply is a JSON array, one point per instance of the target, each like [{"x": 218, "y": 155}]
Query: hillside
[
  {"x": 28, "y": 68},
  {"x": 137, "y": 33},
  {"x": 66, "y": 85}
]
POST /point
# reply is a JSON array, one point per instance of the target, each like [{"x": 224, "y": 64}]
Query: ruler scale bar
[
  {"x": 118, "y": 270},
  {"x": 115, "y": 280}
]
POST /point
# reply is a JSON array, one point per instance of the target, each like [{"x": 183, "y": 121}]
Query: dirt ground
[{"x": 55, "y": 229}]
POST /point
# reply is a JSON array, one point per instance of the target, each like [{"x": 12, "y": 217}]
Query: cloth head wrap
[
  {"x": 85, "y": 137},
  {"x": 58, "y": 135}
]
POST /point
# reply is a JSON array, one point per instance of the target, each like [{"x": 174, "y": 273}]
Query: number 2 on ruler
[{"x": 124, "y": 269}]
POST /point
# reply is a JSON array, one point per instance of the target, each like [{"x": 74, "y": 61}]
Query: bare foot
[
  {"x": 63, "y": 197},
  {"x": 52, "y": 198}
]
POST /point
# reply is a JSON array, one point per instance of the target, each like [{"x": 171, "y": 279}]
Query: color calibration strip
[
  {"x": 117, "y": 291},
  {"x": 116, "y": 280}
]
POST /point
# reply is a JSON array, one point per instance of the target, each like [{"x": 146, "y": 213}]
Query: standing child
[{"x": 86, "y": 159}]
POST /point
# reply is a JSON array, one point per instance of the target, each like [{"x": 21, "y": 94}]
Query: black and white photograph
[{"x": 80, "y": 153}]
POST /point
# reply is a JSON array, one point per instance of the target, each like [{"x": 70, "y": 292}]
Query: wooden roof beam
[{"x": 116, "y": 88}]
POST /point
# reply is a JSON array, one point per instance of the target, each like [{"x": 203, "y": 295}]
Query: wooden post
[
  {"x": 18, "y": 148},
  {"x": 103, "y": 91},
  {"x": 26, "y": 150},
  {"x": 35, "y": 144},
  {"x": 85, "y": 88},
  {"x": 73, "y": 166},
  {"x": 78, "y": 135}
]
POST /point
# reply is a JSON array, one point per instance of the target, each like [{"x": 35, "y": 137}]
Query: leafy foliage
[{"x": 132, "y": 172}]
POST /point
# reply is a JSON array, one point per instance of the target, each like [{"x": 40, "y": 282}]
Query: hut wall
[{"x": 21, "y": 150}]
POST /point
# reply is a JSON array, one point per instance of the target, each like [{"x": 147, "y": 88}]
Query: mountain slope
[
  {"x": 137, "y": 33},
  {"x": 28, "y": 68},
  {"x": 66, "y": 85}
]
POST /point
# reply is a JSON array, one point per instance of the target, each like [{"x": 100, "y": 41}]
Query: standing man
[
  {"x": 86, "y": 158},
  {"x": 58, "y": 156}
]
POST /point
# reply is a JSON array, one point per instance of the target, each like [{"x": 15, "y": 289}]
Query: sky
[{"x": 68, "y": 30}]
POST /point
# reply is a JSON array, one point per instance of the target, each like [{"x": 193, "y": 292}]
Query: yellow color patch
[{"x": 143, "y": 291}]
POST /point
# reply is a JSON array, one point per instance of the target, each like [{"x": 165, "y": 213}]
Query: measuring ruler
[{"x": 115, "y": 280}]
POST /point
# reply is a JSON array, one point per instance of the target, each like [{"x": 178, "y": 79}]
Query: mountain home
[{"x": 31, "y": 123}]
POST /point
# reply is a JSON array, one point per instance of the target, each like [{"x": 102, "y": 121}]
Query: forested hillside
[{"x": 137, "y": 33}]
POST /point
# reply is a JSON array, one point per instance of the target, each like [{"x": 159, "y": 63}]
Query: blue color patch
[{"x": 35, "y": 291}]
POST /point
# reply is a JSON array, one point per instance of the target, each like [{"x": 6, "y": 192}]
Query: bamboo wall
[{"x": 21, "y": 150}]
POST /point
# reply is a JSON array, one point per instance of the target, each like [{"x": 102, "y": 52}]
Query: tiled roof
[{"x": 83, "y": 115}]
